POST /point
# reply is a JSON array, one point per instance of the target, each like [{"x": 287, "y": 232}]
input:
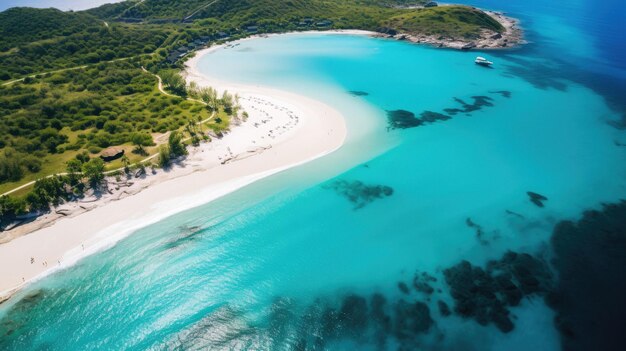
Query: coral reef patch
[
  {"x": 403, "y": 119},
  {"x": 486, "y": 294}
]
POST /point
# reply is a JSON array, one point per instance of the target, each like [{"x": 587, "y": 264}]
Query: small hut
[{"x": 112, "y": 153}]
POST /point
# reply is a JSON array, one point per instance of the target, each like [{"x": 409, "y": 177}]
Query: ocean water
[{"x": 358, "y": 250}]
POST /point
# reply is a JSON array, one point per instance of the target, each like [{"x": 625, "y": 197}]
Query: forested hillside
[
  {"x": 67, "y": 40},
  {"x": 21, "y": 25},
  {"x": 168, "y": 9}
]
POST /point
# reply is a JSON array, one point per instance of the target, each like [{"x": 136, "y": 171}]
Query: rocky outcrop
[{"x": 511, "y": 36}]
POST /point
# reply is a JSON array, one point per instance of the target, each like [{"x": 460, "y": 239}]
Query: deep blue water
[{"x": 343, "y": 253}]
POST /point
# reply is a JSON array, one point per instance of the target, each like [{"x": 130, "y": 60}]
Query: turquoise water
[{"x": 304, "y": 259}]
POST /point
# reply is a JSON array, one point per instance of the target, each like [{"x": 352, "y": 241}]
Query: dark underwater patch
[
  {"x": 222, "y": 328},
  {"x": 403, "y": 288},
  {"x": 536, "y": 198},
  {"x": 359, "y": 193},
  {"x": 504, "y": 93},
  {"x": 588, "y": 297},
  {"x": 402, "y": 119},
  {"x": 18, "y": 316},
  {"x": 432, "y": 117},
  {"x": 444, "y": 309},
  {"x": 485, "y": 294},
  {"x": 186, "y": 235},
  {"x": 540, "y": 75},
  {"x": 479, "y": 103},
  {"x": 411, "y": 319},
  {"x": 483, "y": 236},
  {"x": 358, "y": 93},
  {"x": 480, "y": 233},
  {"x": 590, "y": 258},
  {"x": 422, "y": 282}
]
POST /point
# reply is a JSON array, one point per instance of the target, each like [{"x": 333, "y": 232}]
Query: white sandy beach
[{"x": 283, "y": 130}]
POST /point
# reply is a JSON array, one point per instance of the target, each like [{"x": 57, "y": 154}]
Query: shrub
[{"x": 164, "y": 156}]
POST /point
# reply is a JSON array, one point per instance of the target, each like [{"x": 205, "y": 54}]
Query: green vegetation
[
  {"x": 47, "y": 120},
  {"x": 174, "y": 82},
  {"x": 74, "y": 83},
  {"x": 174, "y": 148},
  {"x": 94, "y": 171},
  {"x": 448, "y": 21},
  {"x": 41, "y": 24},
  {"x": 43, "y": 40}
]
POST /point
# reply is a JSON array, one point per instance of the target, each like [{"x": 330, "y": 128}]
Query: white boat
[{"x": 483, "y": 61}]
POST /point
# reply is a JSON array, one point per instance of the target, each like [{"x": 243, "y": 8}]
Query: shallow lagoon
[{"x": 316, "y": 257}]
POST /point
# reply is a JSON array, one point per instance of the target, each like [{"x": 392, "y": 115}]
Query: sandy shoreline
[{"x": 283, "y": 130}]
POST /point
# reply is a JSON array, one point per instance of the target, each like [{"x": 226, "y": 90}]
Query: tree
[
  {"x": 126, "y": 163},
  {"x": 51, "y": 138},
  {"x": 74, "y": 169},
  {"x": 94, "y": 171},
  {"x": 175, "y": 144},
  {"x": 208, "y": 95},
  {"x": 236, "y": 105},
  {"x": 227, "y": 102},
  {"x": 193, "y": 89},
  {"x": 140, "y": 140},
  {"x": 36, "y": 202},
  {"x": 11, "y": 207},
  {"x": 10, "y": 167},
  {"x": 83, "y": 157},
  {"x": 164, "y": 156},
  {"x": 46, "y": 191},
  {"x": 174, "y": 81}
]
